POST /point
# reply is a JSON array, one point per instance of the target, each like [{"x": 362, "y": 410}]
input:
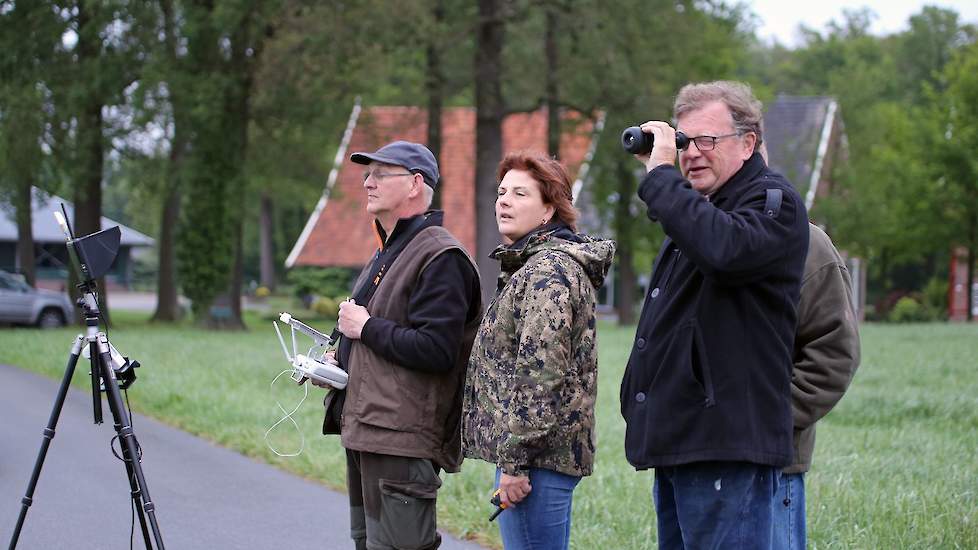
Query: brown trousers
[{"x": 392, "y": 501}]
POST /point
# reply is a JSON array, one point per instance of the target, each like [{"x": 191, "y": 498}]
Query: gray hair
[
  {"x": 429, "y": 195},
  {"x": 745, "y": 109}
]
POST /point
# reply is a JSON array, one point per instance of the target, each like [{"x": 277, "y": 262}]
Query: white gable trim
[
  {"x": 330, "y": 182},
  {"x": 586, "y": 165},
  {"x": 823, "y": 147}
]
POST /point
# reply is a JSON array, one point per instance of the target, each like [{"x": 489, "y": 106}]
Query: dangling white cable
[{"x": 288, "y": 416}]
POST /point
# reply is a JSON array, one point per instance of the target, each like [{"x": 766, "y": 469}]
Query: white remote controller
[
  {"x": 315, "y": 364},
  {"x": 320, "y": 371}
]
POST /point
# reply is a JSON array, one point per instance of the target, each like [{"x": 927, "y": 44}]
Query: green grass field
[{"x": 895, "y": 465}]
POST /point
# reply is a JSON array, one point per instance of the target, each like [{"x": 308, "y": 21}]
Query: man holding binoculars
[{"x": 706, "y": 393}]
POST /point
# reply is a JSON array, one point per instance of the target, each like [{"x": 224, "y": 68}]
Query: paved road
[{"x": 206, "y": 496}]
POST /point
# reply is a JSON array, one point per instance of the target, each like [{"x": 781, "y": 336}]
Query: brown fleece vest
[{"x": 393, "y": 410}]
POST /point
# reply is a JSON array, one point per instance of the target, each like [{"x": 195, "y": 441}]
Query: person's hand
[
  {"x": 513, "y": 489},
  {"x": 352, "y": 318},
  {"x": 330, "y": 358},
  {"x": 663, "y": 146}
]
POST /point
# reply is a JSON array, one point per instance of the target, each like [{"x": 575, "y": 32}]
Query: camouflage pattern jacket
[{"x": 532, "y": 376}]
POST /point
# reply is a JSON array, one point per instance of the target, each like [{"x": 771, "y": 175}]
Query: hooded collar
[
  {"x": 528, "y": 242},
  {"x": 540, "y": 233}
]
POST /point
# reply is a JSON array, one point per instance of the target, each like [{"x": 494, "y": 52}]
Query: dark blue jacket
[{"x": 710, "y": 370}]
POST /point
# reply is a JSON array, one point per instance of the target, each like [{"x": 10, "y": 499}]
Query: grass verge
[{"x": 894, "y": 466}]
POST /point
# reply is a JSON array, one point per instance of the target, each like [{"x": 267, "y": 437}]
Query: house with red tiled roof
[{"x": 339, "y": 231}]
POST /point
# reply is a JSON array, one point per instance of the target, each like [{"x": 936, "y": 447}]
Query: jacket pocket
[
  {"x": 683, "y": 376},
  {"x": 394, "y": 398},
  {"x": 407, "y": 513},
  {"x": 700, "y": 366},
  {"x": 668, "y": 391}
]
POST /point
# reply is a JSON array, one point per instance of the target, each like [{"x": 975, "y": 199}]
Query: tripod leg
[
  {"x": 136, "y": 498},
  {"x": 127, "y": 438},
  {"x": 48, "y": 436},
  {"x": 134, "y": 489}
]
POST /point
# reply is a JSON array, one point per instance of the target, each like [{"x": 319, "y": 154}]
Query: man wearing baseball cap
[{"x": 408, "y": 331}]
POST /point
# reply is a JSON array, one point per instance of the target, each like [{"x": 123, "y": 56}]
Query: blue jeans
[
  {"x": 708, "y": 505},
  {"x": 542, "y": 520},
  {"x": 789, "y": 513}
]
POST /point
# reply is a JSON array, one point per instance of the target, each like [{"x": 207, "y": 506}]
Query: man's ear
[
  {"x": 417, "y": 189},
  {"x": 750, "y": 141}
]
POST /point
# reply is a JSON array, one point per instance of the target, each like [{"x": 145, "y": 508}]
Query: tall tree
[
  {"x": 552, "y": 99},
  {"x": 639, "y": 77},
  {"x": 167, "y": 304},
  {"x": 435, "y": 80},
  {"x": 107, "y": 55},
  {"x": 881, "y": 83},
  {"x": 204, "y": 252},
  {"x": 310, "y": 72},
  {"x": 22, "y": 113},
  {"x": 490, "y": 109},
  {"x": 957, "y": 168},
  {"x": 224, "y": 44},
  {"x": 923, "y": 50}
]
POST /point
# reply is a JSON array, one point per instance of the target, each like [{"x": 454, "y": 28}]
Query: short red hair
[{"x": 551, "y": 177}]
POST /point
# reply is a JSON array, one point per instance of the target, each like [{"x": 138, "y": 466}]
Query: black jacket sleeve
[
  {"x": 437, "y": 312},
  {"x": 735, "y": 247}
]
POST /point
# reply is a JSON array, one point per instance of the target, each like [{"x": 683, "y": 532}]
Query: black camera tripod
[{"x": 106, "y": 376}]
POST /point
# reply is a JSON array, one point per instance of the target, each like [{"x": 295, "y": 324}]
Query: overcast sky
[{"x": 780, "y": 19}]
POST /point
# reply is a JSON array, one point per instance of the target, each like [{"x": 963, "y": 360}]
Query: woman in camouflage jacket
[{"x": 532, "y": 377}]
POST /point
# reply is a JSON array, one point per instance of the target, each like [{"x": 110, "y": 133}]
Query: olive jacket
[{"x": 826, "y": 343}]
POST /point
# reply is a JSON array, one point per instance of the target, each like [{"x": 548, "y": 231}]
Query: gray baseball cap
[{"x": 413, "y": 156}]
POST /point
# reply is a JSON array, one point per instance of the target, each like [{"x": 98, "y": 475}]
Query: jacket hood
[{"x": 593, "y": 254}]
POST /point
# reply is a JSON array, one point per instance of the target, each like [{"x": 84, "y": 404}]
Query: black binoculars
[{"x": 637, "y": 142}]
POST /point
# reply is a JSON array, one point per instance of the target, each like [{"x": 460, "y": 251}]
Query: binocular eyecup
[{"x": 637, "y": 142}]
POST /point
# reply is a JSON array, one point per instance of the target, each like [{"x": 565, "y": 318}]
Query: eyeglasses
[
  {"x": 380, "y": 177},
  {"x": 708, "y": 143}
]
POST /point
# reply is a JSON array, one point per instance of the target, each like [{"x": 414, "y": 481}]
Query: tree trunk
[
  {"x": 972, "y": 249},
  {"x": 22, "y": 123},
  {"x": 204, "y": 248},
  {"x": 236, "y": 321},
  {"x": 553, "y": 101},
  {"x": 266, "y": 241},
  {"x": 435, "y": 86},
  {"x": 625, "y": 235},
  {"x": 884, "y": 281},
  {"x": 91, "y": 150},
  {"x": 25, "y": 231},
  {"x": 245, "y": 49},
  {"x": 88, "y": 193},
  {"x": 167, "y": 305},
  {"x": 488, "y": 137}
]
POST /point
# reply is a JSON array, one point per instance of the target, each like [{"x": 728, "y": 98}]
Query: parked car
[{"x": 23, "y": 305}]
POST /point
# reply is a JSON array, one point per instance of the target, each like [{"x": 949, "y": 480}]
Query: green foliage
[
  {"x": 643, "y": 59},
  {"x": 216, "y": 77},
  {"x": 328, "y": 282},
  {"x": 254, "y": 96},
  {"x": 327, "y": 308},
  {"x": 934, "y": 298},
  {"x": 908, "y": 310},
  {"x": 204, "y": 241},
  {"x": 898, "y": 200}
]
